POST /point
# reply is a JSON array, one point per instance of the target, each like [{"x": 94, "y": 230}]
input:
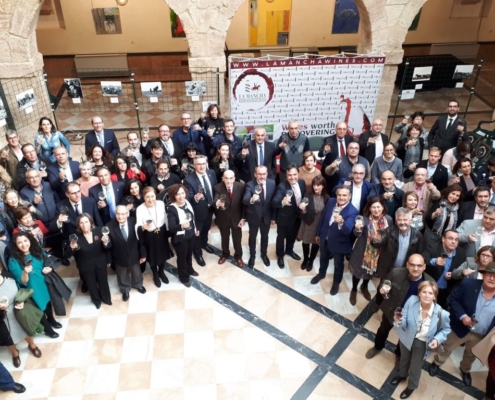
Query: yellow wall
[{"x": 145, "y": 28}]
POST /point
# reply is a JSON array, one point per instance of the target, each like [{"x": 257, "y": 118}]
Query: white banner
[{"x": 318, "y": 92}]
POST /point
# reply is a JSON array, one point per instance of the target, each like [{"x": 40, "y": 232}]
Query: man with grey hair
[
  {"x": 399, "y": 242},
  {"x": 471, "y": 240},
  {"x": 291, "y": 147},
  {"x": 11, "y": 154},
  {"x": 260, "y": 151},
  {"x": 360, "y": 188},
  {"x": 424, "y": 188}
]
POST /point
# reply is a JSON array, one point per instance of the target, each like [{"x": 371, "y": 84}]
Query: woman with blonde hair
[
  {"x": 87, "y": 180},
  {"x": 5, "y": 181},
  {"x": 12, "y": 201}
]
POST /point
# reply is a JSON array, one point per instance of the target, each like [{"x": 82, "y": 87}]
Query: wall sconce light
[{"x": 121, "y": 2}]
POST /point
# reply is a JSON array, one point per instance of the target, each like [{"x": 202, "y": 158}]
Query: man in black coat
[
  {"x": 388, "y": 191},
  {"x": 260, "y": 214},
  {"x": 200, "y": 185},
  {"x": 30, "y": 161},
  {"x": 171, "y": 147},
  {"x": 437, "y": 173},
  {"x": 260, "y": 152},
  {"x": 113, "y": 192},
  {"x": 288, "y": 220},
  {"x": 104, "y": 137},
  {"x": 446, "y": 130},
  {"x": 475, "y": 209},
  {"x": 62, "y": 171},
  {"x": 127, "y": 252},
  {"x": 371, "y": 144}
]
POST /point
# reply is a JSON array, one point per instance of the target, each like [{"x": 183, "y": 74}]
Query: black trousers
[
  {"x": 286, "y": 236},
  {"x": 97, "y": 281},
  {"x": 490, "y": 386},
  {"x": 184, "y": 252},
  {"x": 253, "y": 233},
  {"x": 236, "y": 240},
  {"x": 203, "y": 226},
  {"x": 382, "y": 335}
]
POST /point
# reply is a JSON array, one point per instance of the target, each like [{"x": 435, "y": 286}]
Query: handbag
[{"x": 29, "y": 316}]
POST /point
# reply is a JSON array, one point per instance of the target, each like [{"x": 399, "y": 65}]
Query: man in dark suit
[
  {"x": 437, "y": 173},
  {"x": 113, "y": 192},
  {"x": 475, "y": 209},
  {"x": 127, "y": 252},
  {"x": 334, "y": 236},
  {"x": 471, "y": 318},
  {"x": 171, "y": 147},
  {"x": 31, "y": 161},
  {"x": 188, "y": 133},
  {"x": 62, "y": 171},
  {"x": 446, "y": 130},
  {"x": 134, "y": 148},
  {"x": 288, "y": 220},
  {"x": 371, "y": 144},
  {"x": 104, "y": 137},
  {"x": 229, "y": 212},
  {"x": 360, "y": 188},
  {"x": 389, "y": 192},
  {"x": 228, "y": 136},
  {"x": 200, "y": 185},
  {"x": 259, "y": 152},
  {"x": 441, "y": 259},
  {"x": 259, "y": 212},
  {"x": 76, "y": 205}
]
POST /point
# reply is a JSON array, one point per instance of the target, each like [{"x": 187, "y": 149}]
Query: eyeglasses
[
  {"x": 168, "y": 130},
  {"x": 488, "y": 256}
]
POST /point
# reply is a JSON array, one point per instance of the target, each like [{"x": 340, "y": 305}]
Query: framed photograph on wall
[
  {"x": 107, "y": 20},
  {"x": 73, "y": 87},
  {"x": 422, "y": 74},
  {"x": 151, "y": 89},
  {"x": 25, "y": 99},
  {"x": 195, "y": 88},
  {"x": 111, "y": 88}
]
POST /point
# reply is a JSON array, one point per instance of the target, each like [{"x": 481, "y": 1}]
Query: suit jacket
[
  {"x": 334, "y": 149},
  {"x": 468, "y": 195},
  {"x": 261, "y": 211},
  {"x": 378, "y": 190},
  {"x": 234, "y": 210},
  {"x": 118, "y": 191},
  {"x": 462, "y": 301},
  {"x": 428, "y": 195},
  {"x": 90, "y": 256},
  {"x": 339, "y": 240},
  {"x": 286, "y": 215},
  {"x": 365, "y": 191},
  {"x": 10, "y": 165},
  {"x": 146, "y": 150},
  {"x": 88, "y": 205},
  {"x": 202, "y": 210},
  {"x": 369, "y": 152},
  {"x": 444, "y": 138},
  {"x": 467, "y": 228},
  {"x": 401, "y": 149},
  {"x": 191, "y": 136},
  {"x": 54, "y": 180},
  {"x": 466, "y": 212},
  {"x": 246, "y": 165},
  {"x": 440, "y": 177},
  {"x": 109, "y": 138},
  {"x": 23, "y": 166},
  {"x": 125, "y": 253},
  {"x": 47, "y": 206}
]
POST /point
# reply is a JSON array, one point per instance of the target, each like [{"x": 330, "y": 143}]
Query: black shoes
[
  {"x": 97, "y": 305},
  {"x": 316, "y": 279},
  {"x": 406, "y": 393},
  {"x": 142, "y": 290},
  {"x": 266, "y": 260},
  {"x": 156, "y": 279},
  {"x": 194, "y": 273},
  {"x": 84, "y": 288},
  {"x": 54, "y": 335},
  {"x": 335, "y": 289},
  {"x": 18, "y": 388},
  {"x": 433, "y": 370},
  {"x": 209, "y": 249},
  {"x": 304, "y": 264},
  {"x": 187, "y": 284},
  {"x": 374, "y": 308},
  {"x": 398, "y": 379},
  {"x": 200, "y": 260},
  {"x": 293, "y": 255},
  {"x": 466, "y": 378},
  {"x": 280, "y": 262},
  {"x": 55, "y": 324},
  {"x": 251, "y": 261},
  {"x": 163, "y": 277},
  {"x": 66, "y": 262},
  {"x": 125, "y": 296},
  {"x": 309, "y": 267}
]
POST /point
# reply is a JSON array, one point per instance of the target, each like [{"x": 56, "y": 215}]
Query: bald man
[
  {"x": 371, "y": 143},
  {"x": 424, "y": 188}
]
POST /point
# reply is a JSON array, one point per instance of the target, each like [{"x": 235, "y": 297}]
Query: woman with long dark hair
[
  {"x": 187, "y": 162},
  {"x": 212, "y": 118},
  {"x": 26, "y": 264},
  {"x": 223, "y": 161},
  {"x": 463, "y": 175},
  {"x": 410, "y": 148},
  {"x": 443, "y": 213},
  {"x": 133, "y": 196},
  {"x": 127, "y": 168},
  {"x": 99, "y": 158},
  {"x": 48, "y": 139}
]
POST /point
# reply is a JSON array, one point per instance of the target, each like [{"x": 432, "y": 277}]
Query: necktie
[
  {"x": 124, "y": 233},
  {"x": 167, "y": 145},
  {"x": 492, "y": 200},
  {"x": 451, "y": 121},
  {"x": 209, "y": 197},
  {"x": 297, "y": 194},
  {"x": 76, "y": 209},
  {"x": 262, "y": 192},
  {"x": 110, "y": 202},
  {"x": 229, "y": 191},
  {"x": 342, "y": 150},
  {"x": 100, "y": 139},
  {"x": 262, "y": 158}
]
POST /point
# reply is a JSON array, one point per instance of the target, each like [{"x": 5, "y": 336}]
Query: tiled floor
[{"x": 235, "y": 334}]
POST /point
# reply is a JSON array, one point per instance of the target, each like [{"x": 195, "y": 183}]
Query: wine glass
[
  {"x": 42, "y": 166},
  {"x": 359, "y": 221},
  {"x": 105, "y": 230},
  {"x": 201, "y": 189},
  {"x": 222, "y": 198},
  {"x": 64, "y": 210},
  {"x": 285, "y": 138},
  {"x": 73, "y": 239},
  {"x": 397, "y": 315},
  {"x": 336, "y": 211},
  {"x": 257, "y": 189},
  {"x": 28, "y": 263},
  {"x": 479, "y": 233},
  {"x": 289, "y": 193},
  {"x": 305, "y": 201},
  {"x": 146, "y": 130},
  {"x": 189, "y": 219},
  {"x": 475, "y": 321},
  {"x": 101, "y": 196},
  {"x": 386, "y": 285}
]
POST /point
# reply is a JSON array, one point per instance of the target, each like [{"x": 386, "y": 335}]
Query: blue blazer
[
  {"x": 55, "y": 182},
  {"x": 192, "y": 183},
  {"x": 409, "y": 326},
  {"x": 68, "y": 228},
  {"x": 462, "y": 301},
  {"x": 261, "y": 211},
  {"x": 365, "y": 191},
  {"x": 118, "y": 191},
  {"x": 109, "y": 138},
  {"x": 339, "y": 240},
  {"x": 47, "y": 206},
  {"x": 191, "y": 136}
]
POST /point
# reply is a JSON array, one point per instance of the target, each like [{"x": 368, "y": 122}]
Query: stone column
[{"x": 21, "y": 65}]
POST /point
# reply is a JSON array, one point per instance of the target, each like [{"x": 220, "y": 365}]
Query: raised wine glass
[
  {"x": 189, "y": 219},
  {"x": 101, "y": 196},
  {"x": 387, "y": 285},
  {"x": 73, "y": 239},
  {"x": 397, "y": 315},
  {"x": 105, "y": 230}
]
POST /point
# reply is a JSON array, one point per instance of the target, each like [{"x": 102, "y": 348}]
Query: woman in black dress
[
  {"x": 223, "y": 161},
  {"x": 92, "y": 258},
  {"x": 183, "y": 231},
  {"x": 151, "y": 229}
]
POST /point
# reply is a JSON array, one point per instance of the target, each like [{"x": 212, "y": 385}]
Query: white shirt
[
  {"x": 378, "y": 146},
  {"x": 450, "y": 118},
  {"x": 424, "y": 325},
  {"x": 18, "y": 154},
  {"x": 67, "y": 171},
  {"x": 478, "y": 213},
  {"x": 200, "y": 177},
  {"x": 356, "y": 196},
  {"x": 487, "y": 238},
  {"x": 169, "y": 145}
]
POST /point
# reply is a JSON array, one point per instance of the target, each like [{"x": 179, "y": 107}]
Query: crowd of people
[{"x": 425, "y": 227}]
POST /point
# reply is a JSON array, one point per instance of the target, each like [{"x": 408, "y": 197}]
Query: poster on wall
[
  {"x": 3, "y": 111},
  {"x": 195, "y": 88},
  {"x": 269, "y": 22},
  {"x": 176, "y": 25},
  {"x": 111, "y": 88},
  {"x": 74, "y": 88},
  {"x": 345, "y": 17},
  {"x": 107, "y": 20},
  {"x": 318, "y": 92},
  {"x": 151, "y": 89},
  {"x": 25, "y": 99},
  {"x": 463, "y": 71},
  {"x": 422, "y": 74}
]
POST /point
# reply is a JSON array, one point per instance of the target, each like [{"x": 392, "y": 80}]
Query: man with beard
[
  {"x": 475, "y": 209},
  {"x": 446, "y": 130}
]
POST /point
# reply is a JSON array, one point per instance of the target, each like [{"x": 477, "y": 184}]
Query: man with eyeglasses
[
  {"x": 172, "y": 148},
  {"x": 476, "y": 233},
  {"x": 104, "y": 137},
  {"x": 189, "y": 133},
  {"x": 31, "y": 160},
  {"x": 62, "y": 171},
  {"x": 472, "y": 317},
  {"x": 342, "y": 166},
  {"x": 402, "y": 284},
  {"x": 11, "y": 155},
  {"x": 441, "y": 259},
  {"x": 372, "y": 143},
  {"x": 446, "y": 130},
  {"x": 359, "y": 187}
]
